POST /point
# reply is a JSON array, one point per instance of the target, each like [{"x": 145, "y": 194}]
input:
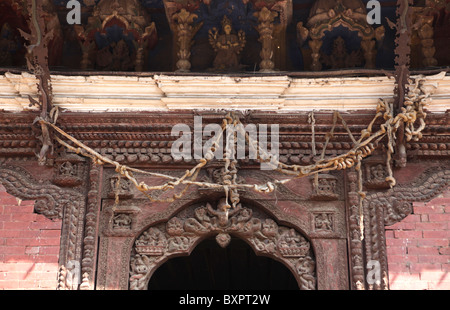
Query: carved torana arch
[{"x": 180, "y": 235}]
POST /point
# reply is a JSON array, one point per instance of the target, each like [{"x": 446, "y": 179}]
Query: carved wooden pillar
[
  {"x": 375, "y": 244},
  {"x": 265, "y": 29},
  {"x": 90, "y": 241},
  {"x": 424, "y": 28},
  {"x": 354, "y": 224},
  {"x": 185, "y": 31}
]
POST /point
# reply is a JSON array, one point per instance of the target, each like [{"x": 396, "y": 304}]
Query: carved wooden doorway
[
  {"x": 183, "y": 232},
  {"x": 211, "y": 267}
]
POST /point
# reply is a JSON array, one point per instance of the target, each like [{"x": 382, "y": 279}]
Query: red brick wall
[
  {"x": 29, "y": 246},
  {"x": 418, "y": 247}
]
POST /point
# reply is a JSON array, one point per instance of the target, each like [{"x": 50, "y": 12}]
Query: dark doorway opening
[{"x": 210, "y": 267}]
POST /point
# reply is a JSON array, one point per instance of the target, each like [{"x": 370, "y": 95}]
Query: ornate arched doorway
[
  {"x": 183, "y": 232},
  {"x": 211, "y": 267}
]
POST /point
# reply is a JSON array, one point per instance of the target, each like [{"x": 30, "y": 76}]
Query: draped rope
[{"x": 363, "y": 147}]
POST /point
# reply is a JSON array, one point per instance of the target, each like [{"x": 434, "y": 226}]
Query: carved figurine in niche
[
  {"x": 67, "y": 169},
  {"x": 323, "y": 222},
  {"x": 227, "y": 46},
  {"x": 115, "y": 56},
  {"x": 340, "y": 58},
  {"x": 122, "y": 221}
]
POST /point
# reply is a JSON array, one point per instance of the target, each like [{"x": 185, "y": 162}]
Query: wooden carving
[
  {"x": 325, "y": 15},
  {"x": 185, "y": 31},
  {"x": 423, "y": 30},
  {"x": 227, "y": 46},
  {"x": 181, "y": 233},
  {"x": 124, "y": 54}
]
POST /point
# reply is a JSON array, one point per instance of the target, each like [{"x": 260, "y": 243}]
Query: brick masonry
[
  {"x": 29, "y": 246},
  {"x": 418, "y": 247}
]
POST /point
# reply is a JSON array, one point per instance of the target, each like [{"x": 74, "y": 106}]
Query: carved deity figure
[
  {"x": 122, "y": 221},
  {"x": 305, "y": 268},
  {"x": 115, "y": 57},
  {"x": 324, "y": 222},
  {"x": 227, "y": 46},
  {"x": 378, "y": 172},
  {"x": 340, "y": 58},
  {"x": 67, "y": 169}
]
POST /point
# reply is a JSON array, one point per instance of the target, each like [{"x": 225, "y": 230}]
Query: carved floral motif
[{"x": 120, "y": 187}]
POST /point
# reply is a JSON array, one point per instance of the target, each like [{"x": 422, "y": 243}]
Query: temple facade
[{"x": 241, "y": 144}]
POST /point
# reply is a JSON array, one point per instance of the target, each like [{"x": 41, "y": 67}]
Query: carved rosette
[{"x": 181, "y": 234}]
